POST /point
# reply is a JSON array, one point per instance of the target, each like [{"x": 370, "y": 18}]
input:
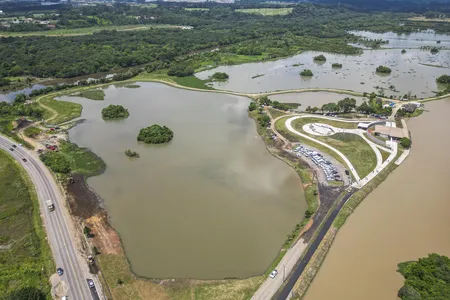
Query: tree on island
[
  {"x": 130, "y": 153},
  {"x": 220, "y": 76},
  {"x": 112, "y": 112},
  {"x": 383, "y": 69},
  {"x": 320, "y": 57},
  {"x": 306, "y": 73},
  {"x": 444, "y": 79},
  {"x": 405, "y": 142},
  {"x": 434, "y": 50},
  {"x": 403, "y": 51},
  {"x": 426, "y": 279},
  {"x": 336, "y": 65},
  {"x": 155, "y": 134}
]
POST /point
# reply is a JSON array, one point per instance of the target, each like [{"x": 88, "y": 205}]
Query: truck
[{"x": 50, "y": 205}]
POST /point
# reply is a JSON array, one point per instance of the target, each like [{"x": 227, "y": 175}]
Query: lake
[
  {"x": 212, "y": 203},
  {"x": 415, "y": 71}
]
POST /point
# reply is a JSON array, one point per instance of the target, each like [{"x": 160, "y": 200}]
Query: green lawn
[
  {"x": 96, "y": 94},
  {"x": 82, "y": 161},
  {"x": 66, "y": 111},
  {"x": 384, "y": 154},
  {"x": 25, "y": 259},
  {"x": 85, "y": 31},
  {"x": 267, "y": 11}
]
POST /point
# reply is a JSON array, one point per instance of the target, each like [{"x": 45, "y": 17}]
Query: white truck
[{"x": 50, "y": 205}]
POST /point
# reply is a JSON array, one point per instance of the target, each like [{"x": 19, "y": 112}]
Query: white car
[{"x": 273, "y": 274}]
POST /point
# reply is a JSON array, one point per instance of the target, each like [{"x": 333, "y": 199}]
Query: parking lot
[{"x": 330, "y": 171}]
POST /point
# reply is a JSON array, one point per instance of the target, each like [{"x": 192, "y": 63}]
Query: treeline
[
  {"x": 308, "y": 27},
  {"x": 372, "y": 107}
]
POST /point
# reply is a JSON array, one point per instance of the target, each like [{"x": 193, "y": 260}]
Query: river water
[
  {"x": 213, "y": 203},
  {"x": 415, "y": 71},
  {"x": 406, "y": 217}
]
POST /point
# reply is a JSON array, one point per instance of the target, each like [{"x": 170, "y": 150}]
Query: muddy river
[
  {"x": 415, "y": 71},
  {"x": 213, "y": 203},
  {"x": 405, "y": 218}
]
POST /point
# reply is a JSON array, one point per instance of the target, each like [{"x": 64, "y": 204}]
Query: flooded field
[
  {"x": 314, "y": 98},
  {"x": 213, "y": 203},
  {"x": 415, "y": 71},
  {"x": 426, "y": 38},
  {"x": 405, "y": 218}
]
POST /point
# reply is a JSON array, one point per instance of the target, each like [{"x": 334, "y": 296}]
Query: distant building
[
  {"x": 364, "y": 126},
  {"x": 410, "y": 107},
  {"x": 1, "y": 12}
]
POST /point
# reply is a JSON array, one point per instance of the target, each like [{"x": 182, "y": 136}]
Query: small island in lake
[
  {"x": 155, "y": 134},
  {"x": 113, "y": 112},
  {"x": 444, "y": 79},
  {"x": 220, "y": 76},
  {"x": 336, "y": 65},
  {"x": 306, "y": 72},
  {"x": 384, "y": 69},
  {"x": 320, "y": 57},
  {"x": 130, "y": 153}
]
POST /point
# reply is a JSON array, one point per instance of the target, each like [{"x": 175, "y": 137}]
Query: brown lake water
[
  {"x": 213, "y": 203},
  {"x": 406, "y": 217},
  {"x": 411, "y": 72}
]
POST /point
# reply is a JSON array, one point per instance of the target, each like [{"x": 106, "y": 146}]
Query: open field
[
  {"x": 85, "y": 31},
  {"x": 94, "y": 94},
  {"x": 267, "y": 11},
  {"x": 25, "y": 256},
  {"x": 59, "y": 111},
  {"x": 423, "y": 19}
]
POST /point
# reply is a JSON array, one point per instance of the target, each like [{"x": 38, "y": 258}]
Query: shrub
[
  {"x": 336, "y": 65},
  {"x": 306, "y": 72},
  {"x": 155, "y": 134},
  {"x": 220, "y": 76},
  {"x": 115, "y": 112},
  {"x": 405, "y": 142},
  {"x": 252, "y": 106},
  {"x": 320, "y": 57},
  {"x": 57, "y": 162}
]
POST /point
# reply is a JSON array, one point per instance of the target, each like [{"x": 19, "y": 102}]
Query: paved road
[
  {"x": 56, "y": 224},
  {"x": 300, "y": 267}
]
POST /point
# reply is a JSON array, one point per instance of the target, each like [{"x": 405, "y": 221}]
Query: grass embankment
[
  {"x": 85, "y": 31},
  {"x": 59, "y": 111},
  {"x": 91, "y": 94},
  {"x": 267, "y": 11},
  {"x": 275, "y": 113},
  {"x": 82, "y": 160},
  {"x": 32, "y": 131},
  {"x": 115, "y": 266},
  {"x": 354, "y": 147},
  {"x": 161, "y": 75},
  {"x": 25, "y": 257}
]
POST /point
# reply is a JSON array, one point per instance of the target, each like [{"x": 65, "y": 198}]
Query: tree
[
  {"x": 434, "y": 50},
  {"x": 155, "y": 134},
  {"x": 444, "y": 79},
  {"x": 314, "y": 109},
  {"x": 364, "y": 108},
  {"x": 112, "y": 112},
  {"x": 56, "y": 161},
  {"x": 320, "y": 57},
  {"x": 405, "y": 142},
  {"x": 308, "y": 109},
  {"x": 306, "y": 73},
  {"x": 330, "y": 107},
  {"x": 20, "y": 98},
  {"x": 403, "y": 51},
  {"x": 252, "y": 106},
  {"x": 383, "y": 69},
  {"x": 264, "y": 121},
  {"x": 220, "y": 76},
  {"x": 180, "y": 71},
  {"x": 26, "y": 293},
  {"x": 264, "y": 100},
  {"x": 87, "y": 231},
  {"x": 347, "y": 104}
]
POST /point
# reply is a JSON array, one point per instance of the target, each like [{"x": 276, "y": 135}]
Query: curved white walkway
[{"x": 326, "y": 131}]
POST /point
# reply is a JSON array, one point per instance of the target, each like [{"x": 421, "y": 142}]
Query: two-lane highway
[{"x": 56, "y": 224}]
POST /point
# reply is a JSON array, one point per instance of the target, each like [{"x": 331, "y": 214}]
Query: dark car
[
  {"x": 91, "y": 283},
  {"x": 14, "y": 146},
  {"x": 12, "y": 149},
  {"x": 24, "y": 159},
  {"x": 60, "y": 271}
]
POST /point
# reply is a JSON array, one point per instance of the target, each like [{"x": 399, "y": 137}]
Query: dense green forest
[
  {"x": 112, "y": 112},
  {"x": 426, "y": 279},
  {"x": 308, "y": 27}
]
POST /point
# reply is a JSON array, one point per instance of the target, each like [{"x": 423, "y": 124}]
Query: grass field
[
  {"x": 82, "y": 161},
  {"x": 25, "y": 257},
  {"x": 298, "y": 123},
  {"x": 66, "y": 111},
  {"x": 85, "y": 31},
  {"x": 276, "y": 113},
  {"x": 91, "y": 94},
  {"x": 267, "y": 11}
]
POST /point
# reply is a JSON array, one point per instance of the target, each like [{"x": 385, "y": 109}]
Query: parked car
[
  {"x": 14, "y": 145},
  {"x": 12, "y": 149},
  {"x": 273, "y": 274},
  {"x": 60, "y": 271},
  {"x": 91, "y": 283}
]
